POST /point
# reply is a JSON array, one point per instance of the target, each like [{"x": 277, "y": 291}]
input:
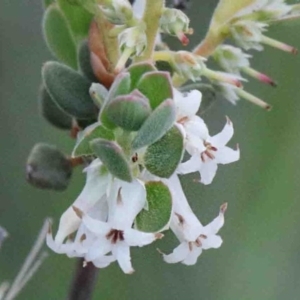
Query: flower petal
[
  {"x": 226, "y": 155},
  {"x": 126, "y": 204},
  {"x": 99, "y": 248},
  {"x": 104, "y": 261},
  {"x": 212, "y": 241},
  {"x": 193, "y": 256},
  {"x": 138, "y": 238},
  {"x": 187, "y": 105},
  {"x": 192, "y": 165},
  {"x": 223, "y": 137},
  {"x": 99, "y": 228},
  {"x": 208, "y": 171},
  {"x": 122, "y": 254},
  {"x": 179, "y": 254}
]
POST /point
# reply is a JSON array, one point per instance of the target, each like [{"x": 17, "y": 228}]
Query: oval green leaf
[
  {"x": 129, "y": 111},
  {"x": 157, "y": 124},
  {"x": 157, "y": 217},
  {"x": 137, "y": 71},
  {"x": 156, "y": 86},
  {"x": 82, "y": 147},
  {"x": 51, "y": 112},
  {"x": 69, "y": 90},
  {"x": 58, "y": 36},
  {"x": 112, "y": 156},
  {"x": 163, "y": 157}
]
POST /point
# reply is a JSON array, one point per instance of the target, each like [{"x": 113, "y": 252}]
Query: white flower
[
  {"x": 231, "y": 59},
  {"x": 105, "y": 233},
  {"x": 117, "y": 11},
  {"x": 193, "y": 127},
  {"x": 96, "y": 186},
  {"x": 215, "y": 152},
  {"x": 248, "y": 34},
  {"x": 193, "y": 236},
  {"x": 116, "y": 235}
]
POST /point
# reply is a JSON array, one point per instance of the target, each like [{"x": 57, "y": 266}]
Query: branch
[
  {"x": 152, "y": 14},
  {"x": 84, "y": 281}
]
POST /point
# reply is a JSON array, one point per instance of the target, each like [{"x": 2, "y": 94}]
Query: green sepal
[
  {"x": 163, "y": 157},
  {"x": 121, "y": 86},
  {"x": 112, "y": 156},
  {"x": 84, "y": 61},
  {"x": 156, "y": 86},
  {"x": 69, "y": 90},
  {"x": 129, "y": 111},
  {"x": 78, "y": 18},
  {"x": 58, "y": 36},
  {"x": 48, "y": 168},
  {"x": 158, "y": 213},
  {"x": 156, "y": 125},
  {"x": 98, "y": 93},
  {"x": 83, "y": 147},
  {"x": 137, "y": 71},
  {"x": 51, "y": 112}
]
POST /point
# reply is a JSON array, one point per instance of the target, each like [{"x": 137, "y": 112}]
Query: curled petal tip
[
  {"x": 78, "y": 212},
  {"x": 159, "y": 236},
  {"x": 223, "y": 208},
  {"x": 159, "y": 251},
  {"x": 228, "y": 121}
]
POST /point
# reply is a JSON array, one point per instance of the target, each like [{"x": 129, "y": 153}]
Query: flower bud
[
  {"x": 117, "y": 11},
  {"x": 175, "y": 22},
  {"x": 132, "y": 42}
]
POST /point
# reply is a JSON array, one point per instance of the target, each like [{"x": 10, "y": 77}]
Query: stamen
[
  {"x": 279, "y": 45},
  {"x": 115, "y": 235}
]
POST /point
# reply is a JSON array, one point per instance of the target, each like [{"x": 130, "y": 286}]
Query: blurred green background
[{"x": 260, "y": 256}]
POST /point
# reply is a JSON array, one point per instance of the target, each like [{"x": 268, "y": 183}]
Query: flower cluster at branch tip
[{"x": 140, "y": 129}]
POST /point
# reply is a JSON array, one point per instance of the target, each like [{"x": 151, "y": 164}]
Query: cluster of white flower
[
  {"x": 247, "y": 27},
  {"x": 104, "y": 213}
]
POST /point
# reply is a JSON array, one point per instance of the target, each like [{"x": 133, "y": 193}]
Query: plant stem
[
  {"x": 152, "y": 14},
  {"x": 83, "y": 283}
]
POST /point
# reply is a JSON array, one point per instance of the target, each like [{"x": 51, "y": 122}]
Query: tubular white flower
[
  {"x": 215, "y": 152},
  {"x": 117, "y": 236},
  {"x": 248, "y": 34},
  {"x": 193, "y": 236},
  {"x": 231, "y": 59},
  {"x": 192, "y": 126},
  {"x": 95, "y": 188},
  {"x": 117, "y": 11},
  {"x": 103, "y": 240}
]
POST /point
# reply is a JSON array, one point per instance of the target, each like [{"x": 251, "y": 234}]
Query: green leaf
[
  {"x": 69, "y": 90},
  {"x": 84, "y": 61},
  {"x": 78, "y": 19},
  {"x": 48, "y": 168},
  {"x": 58, "y": 36},
  {"x": 137, "y": 71},
  {"x": 112, "y": 156},
  {"x": 121, "y": 86},
  {"x": 157, "y": 124},
  {"x": 156, "y": 86},
  {"x": 82, "y": 147},
  {"x": 157, "y": 217},
  {"x": 162, "y": 158},
  {"x": 51, "y": 112},
  {"x": 99, "y": 94},
  {"x": 129, "y": 111}
]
